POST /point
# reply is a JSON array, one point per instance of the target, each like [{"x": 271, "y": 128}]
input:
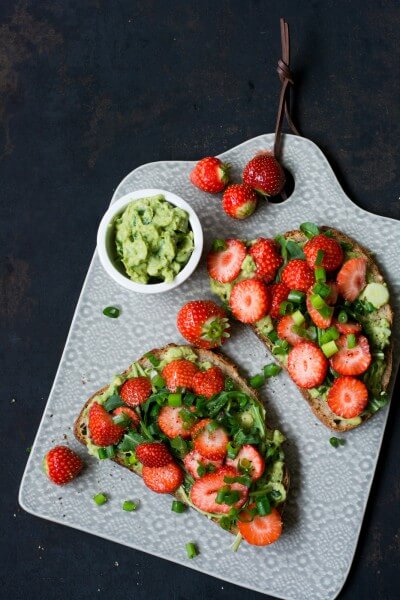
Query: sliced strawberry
[
  {"x": 285, "y": 331},
  {"x": 179, "y": 374},
  {"x": 331, "y": 249},
  {"x": 347, "y": 328},
  {"x": 209, "y": 382},
  {"x": 204, "y": 491},
  {"x": 194, "y": 460},
  {"x": 351, "y": 278},
  {"x": 248, "y": 458},
  {"x": 297, "y": 275},
  {"x": 351, "y": 361},
  {"x": 348, "y": 397},
  {"x": 210, "y": 442},
  {"x": 102, "y": 429},
  {"x": 332, "y": 297},
  {"x": 307, "y": 365},
  {"x": 135, "y": 391},
  {"x": 250, "y": 300},
  {"x": 224, "y": 265},
  {"x": 279, "y": 293},
  {"x": 163, "y": 480},
  {"x": 134, "y": 417},
  {"x": 268, "y": 259},
  {"x": 153, "y": 454},
  {"x": 316, "y": 317},
  {"x": 171, "y": 423},
  {"x": 260, "y": 531},
  {"x": 62, "y": 465}
]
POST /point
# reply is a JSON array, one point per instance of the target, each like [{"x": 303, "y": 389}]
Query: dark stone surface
[{"x": 92, "y": 89}]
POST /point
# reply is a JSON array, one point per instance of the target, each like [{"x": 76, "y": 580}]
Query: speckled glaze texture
[{"x": 330, "y": 486}]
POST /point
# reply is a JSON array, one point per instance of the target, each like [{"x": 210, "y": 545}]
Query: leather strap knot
[{"x": 284, "y": 72}]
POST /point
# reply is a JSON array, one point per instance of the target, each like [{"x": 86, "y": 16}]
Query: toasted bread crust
[
  {"x": 318, "y": 406},
  {"x": 223, "y": 362}
]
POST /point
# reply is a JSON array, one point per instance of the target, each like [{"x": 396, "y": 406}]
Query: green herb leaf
[
  {"x": 112, "y": 312},
  {"x": 271, "y": 370},
  {"x": 294, "y": 249},
  {"x": 178, "y": 507},
  {"x": 257, "y": 381},
  {"x": 153, "y": 359},
  {"x": 113, "y": 402},
  {"x": 310, "y": 230},
  {"x": 378, "y": 402}
]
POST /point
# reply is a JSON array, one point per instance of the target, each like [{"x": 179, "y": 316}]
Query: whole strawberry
[
  {"x": 330, "y": 250},
  {"x": 62, "y": 464},
  {"x": 297, "y": 275},
  {"x": 135, "y": 390},
  {"x": 210, "y": 175},
  {"x": 203, "y": 323},
  {"x": 153, "y": 454},
  {"x": 267, "y": 257},
  {"x": 209, "y": 382},
  {"x": 239, "y": 201},
  {"x": 279, "y": 293},
  {"x": 179, "y": 374},
  {"x": 265, "y": 175},
  {"x": 102, "y": 429}
]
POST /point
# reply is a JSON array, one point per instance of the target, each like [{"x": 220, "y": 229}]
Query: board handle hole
[{"x": 287, "y": 190}]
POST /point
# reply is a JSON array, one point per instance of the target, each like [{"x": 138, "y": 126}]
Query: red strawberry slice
[
  {"x": 102, "y": 429},
  {"x": 134, "y": 417},
  {"x": 332, "y": 297},
  {"x": 135, "y": 391},
  {"x": 210, "y": 175},
  {"x": 153, "y": 454},
  {"x": 224, "y": 265},
  {"x": 260, "y": 531},
  {"x": 179, "y": 374},
  {"x": 316, "y": 317},
  {"x": 307, "y": 365},
  {"x": 285, "y": 331},
  {"x": 351, "y": 278},
  {"x": 351, "y": 361},
  {"x": 267, "y": 257},
  {"x": 209, "y": 382},
  {"x": 62, "y": 465},
  {"x": 250, "y": 300},
  {"x": 239, "y": 201},
  {"x": 194, "y": 460},
  {"x": 209, "y": 441},
  {"x": 332, "y": 252},
  {"x": 171, "y": 423},
  {"x": 347, "y": 328},
  {"x": 348, "y": 397},
  {"x": 163, "y": 480},
  {"x": 248, "y": 458},
  {"x": 297, "y": 275},
  {"x": 279, "y": 293},
  {"x": 264, "y": 174},
  {"x": 204, "y": 491}
]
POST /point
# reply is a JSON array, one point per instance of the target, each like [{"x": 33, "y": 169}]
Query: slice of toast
[
  {"x": 319, "y": 406},
  {"x": 228, "y": 368}
]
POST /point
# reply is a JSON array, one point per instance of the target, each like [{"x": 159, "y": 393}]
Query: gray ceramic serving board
[{"x": 330, "y": 487}]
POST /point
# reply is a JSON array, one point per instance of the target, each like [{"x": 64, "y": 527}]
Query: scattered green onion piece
[
  {"x": 273, "y": 336},
  {"x": 322, "y": 289},
  {"x": 336, "y": 442},
  {"x": 121, "y": 419},
  {"x": 298, "y": 317},
  {"x": 329, "y": 349},
  {"x": 286, "y": 308},
  {"x": 319, "y": 258},
  {"x": 317, "y": 302},
  {"x": 296, "y": 296},
  {"x": 221, "y": 495},
  {"x": 320, "y": 274},
  {"x": 310, "y": 230},
  {"x": 133, "y": 460},
  {"x": 191, "y": 550},
  {"x": 201, "y": 470},
  {"x": 110, "y": 451},
  {"x": 271, "y": 370},
  {"x": 263, "y": 506},
  {"x": 351, "y": 341},
  {"x": 158, "y": 382},
  {"x": 100, "y": 499},
  {"x": 257, "y": 381},
  {"x": 342, "y": 316},
  {"x": 129, "y": 506},
  {"x": 112, "y": 312},
  {"x": 175, "y": 399},
  {"x": 102, "y": 453},
  {"x": 153, "y": 359},
  {"x": 178, "y": 507},
  {"x": 218, "y": 245},
  {"x": 329, "y": 334}
]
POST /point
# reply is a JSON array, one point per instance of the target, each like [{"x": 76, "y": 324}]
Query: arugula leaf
[
  {"x": 294, "y": 249},
  {"x": 310, "y": 230}
]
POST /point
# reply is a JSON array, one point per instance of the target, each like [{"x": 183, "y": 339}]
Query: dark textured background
[{"x": 91, "y": 90}]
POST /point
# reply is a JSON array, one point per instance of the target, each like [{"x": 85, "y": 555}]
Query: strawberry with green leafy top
[
  {"x": 203, "y": 323},
  {"x": 267, "y": 257},
  {"x": 210, "y": 175},
  {"x": 62, "y": 465},
  {"x": 225, "y": 260},
  {"x": 239, "y": 201}
]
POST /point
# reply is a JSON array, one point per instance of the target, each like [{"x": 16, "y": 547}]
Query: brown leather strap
[{"x": 286, "y": 78}]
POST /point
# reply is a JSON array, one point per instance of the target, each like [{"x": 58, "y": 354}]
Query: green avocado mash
[{"x": 153, "y": 240}]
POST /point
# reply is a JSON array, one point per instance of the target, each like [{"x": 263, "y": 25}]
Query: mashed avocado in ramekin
[{"x": 153, "y": 240}]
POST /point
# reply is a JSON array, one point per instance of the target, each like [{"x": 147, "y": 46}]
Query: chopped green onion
[
  {"x": 320, "y": 274},
  {"x": 121, "y": 419},
  {"x": 263, "y": 506},
  {"x": 129, "y": 506},
  {"x": 220, "y": 498},
  {"x": 100, "y": 499},
  {"x": 201, "y": 470},
  {"x": 175, "y": 399},
  {"x": 281, "y": 347},
  {"x": 133, "y": 460},
  {"x": 322, "y": 289},
  {"x": 342, "y": 316},
  {"x": 336, "y": 442},
  {"x": 257, "y": 381},
  {"x": 153, "y": 359},
  {"x": 229, "y": 384},
  {"x": 296, "y": 296},
  {"x": 317, "y": 302},
  {"x": 310, "y": 230},
  {"x": 273, "y": 336},
  {"x": 218, "y": 245},
  {"x": 102, "y": 453},
  {"x": 298, "y": 317},
  {"x": 294, "y": 249},
  {"x": 319, "y": 258},
  {"x": 178, "y": 507},
  {"x": 271, "y": 370},
  {"x": 232, "y": 451},
  {"x": 286, "y": 308},
  {"x": 312, "y": 332},
  {"x": 377, "y": 403},
  {"x": 113, "y": 402},
  {"x": 351, "y": 341},
  {"x": 329, "y": 349},
  {"x": 328, "y": 335},
  {"x": 346, "y": 246},
  {"x": 191, "y": 550},
  {"x": 243, "y": 479},
  {"x": 110, "y": 451},
  {"x": 158, "y": 382},
  {"x": 112, "y": 312}
]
